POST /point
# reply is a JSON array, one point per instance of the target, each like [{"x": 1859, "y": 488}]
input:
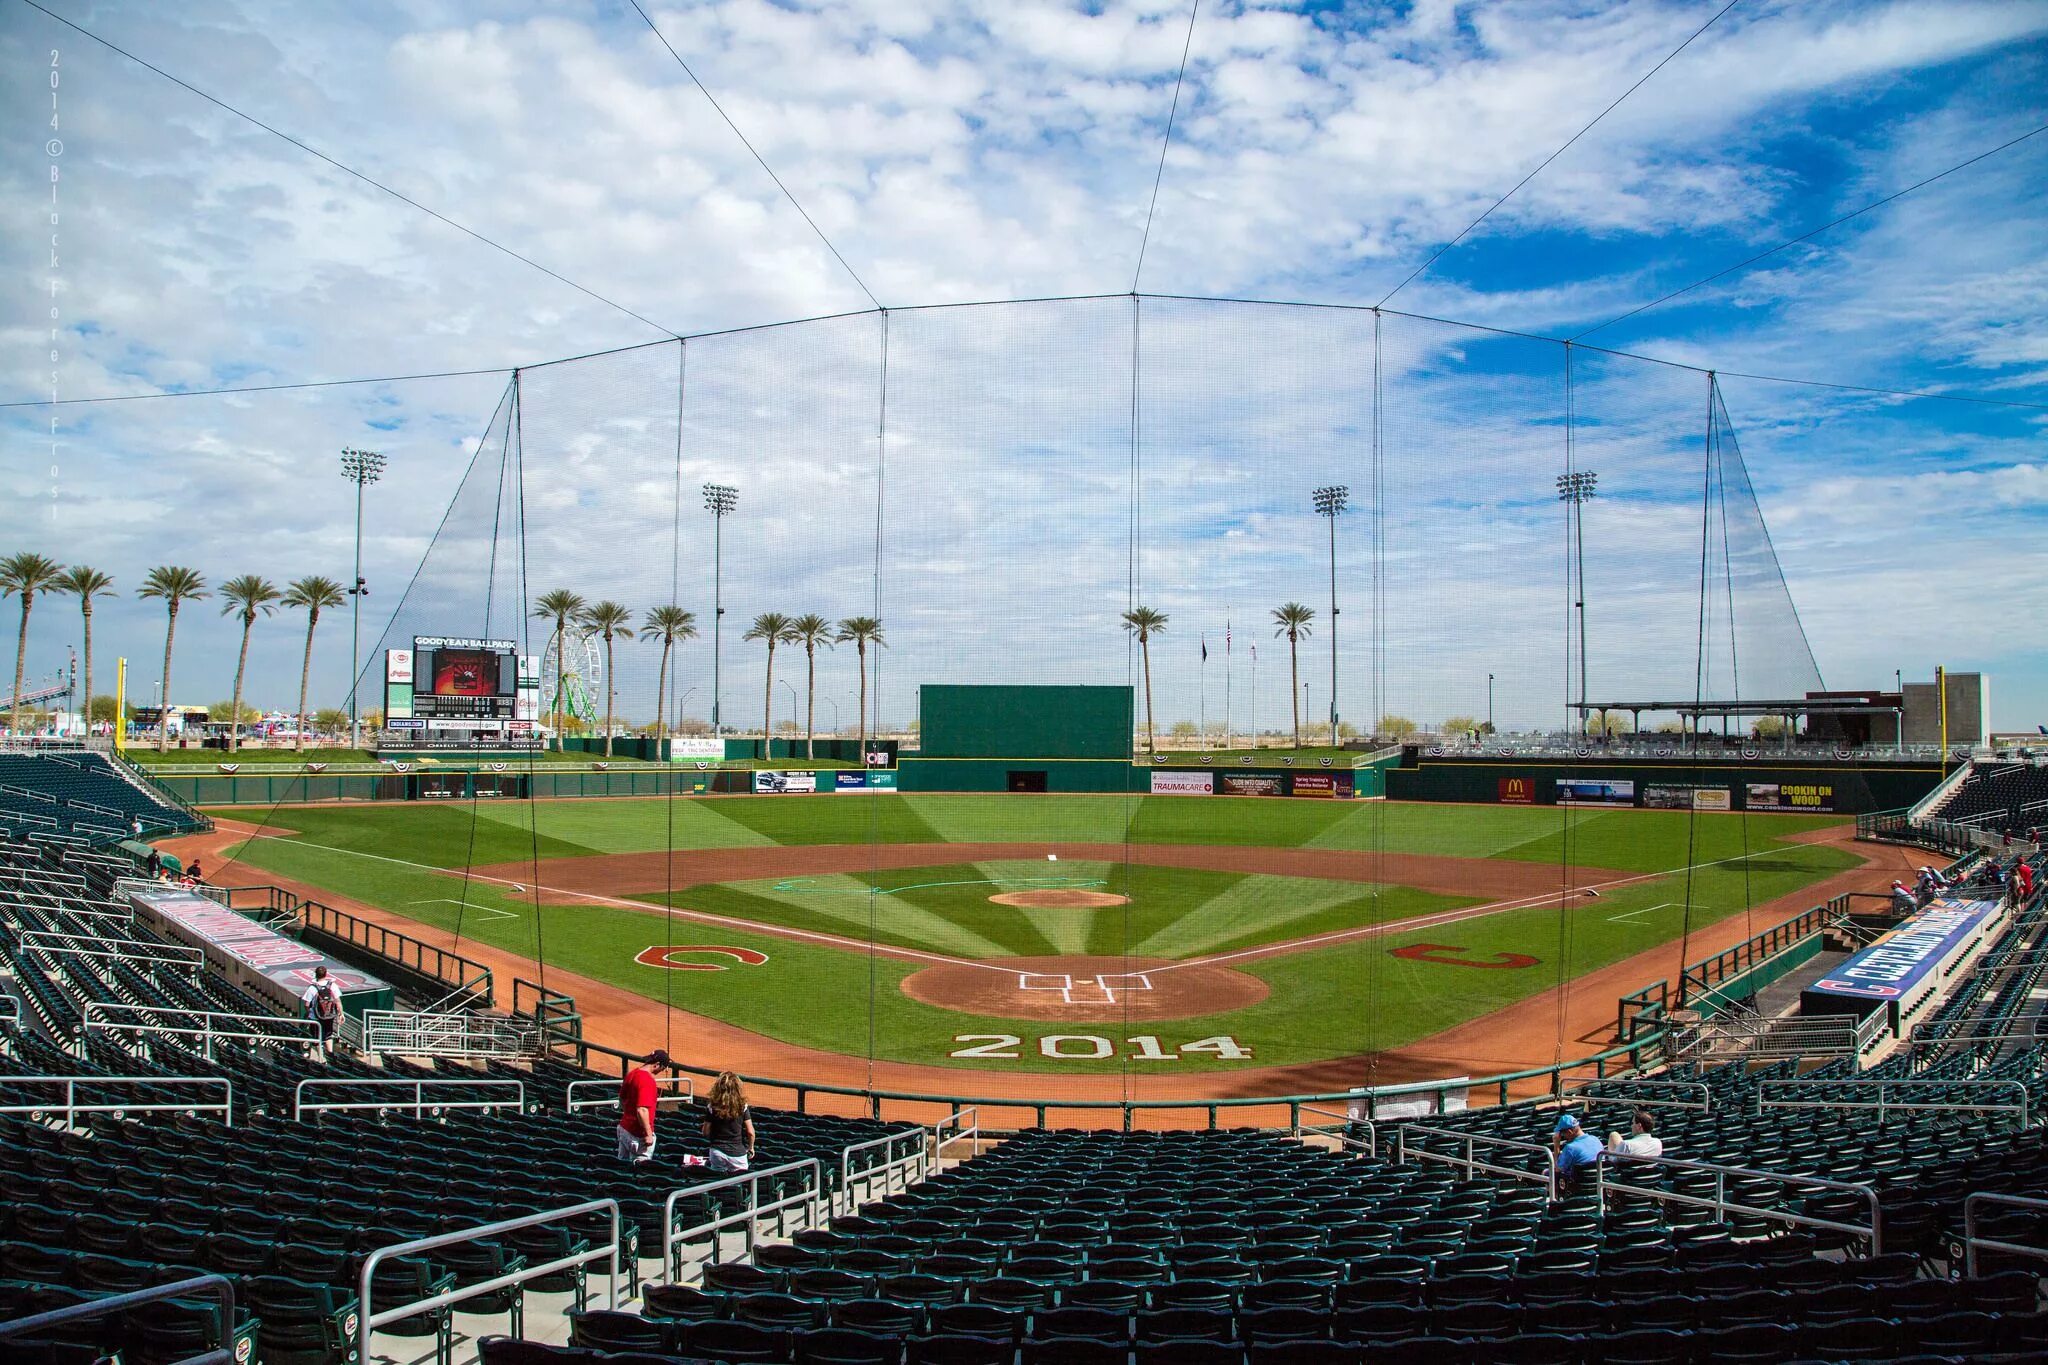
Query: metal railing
[
  {"x": 1972, "y": 1243},
  {"x": 916, "y": 1158},
  {"x": 418, "y": 1106},
  {"x": 1469, "y": 1160},
  {"x": 1339, "y": 1131},
  {"x": 452, "y": 1033},
  {"x": 369, "y": 1320},
  {"x": 962, "y": 1125},
  {"x": 1649, "y": 1092},
  {"x": 10, "y": 1011},
  {"x": 105, "y": 1017},
  {"x": 1872, "y": 1029},
  {"x": 608, "y": 1093},
  {"x": 415, "y": 955},
  {"x": 123, "y": 949},
  {"x": 1722, "y": 1205},
  {"x": 1813, "y": 1035},
  {"x": 217, "y": 1287},
  {"x": 811, "y": 1194},
  {"x": 71, "y": 1107},
  {"x": 2010, "y": 1087}
]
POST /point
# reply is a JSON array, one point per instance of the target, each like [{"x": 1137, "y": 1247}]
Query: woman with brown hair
[{"x": 730, "y": 1127}]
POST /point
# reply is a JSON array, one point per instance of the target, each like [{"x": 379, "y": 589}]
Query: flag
[
  {"x": 1205, "y": 649},
  {"x": 1226, "y": 637},
  {"x": 1255, "y": 653}
]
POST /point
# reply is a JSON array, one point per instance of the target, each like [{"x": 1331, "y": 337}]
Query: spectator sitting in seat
[
  {"x": 1642, "y": 1139},
  {"x": 1903, "y": 901},
  {"x": 1573, "y": 1151}
]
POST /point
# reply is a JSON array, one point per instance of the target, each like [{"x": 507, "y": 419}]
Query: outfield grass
[{"x": 1333, "y": 1000}]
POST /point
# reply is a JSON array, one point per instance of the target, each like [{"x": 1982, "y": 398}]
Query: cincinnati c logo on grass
[{"x": 659, "y": 956}]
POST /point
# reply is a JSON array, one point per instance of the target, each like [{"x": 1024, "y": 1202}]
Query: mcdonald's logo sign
[{"x": 1517, "y": 791}]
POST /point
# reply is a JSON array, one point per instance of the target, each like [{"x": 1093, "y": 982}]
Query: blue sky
[{"x": 958, "y": 152}]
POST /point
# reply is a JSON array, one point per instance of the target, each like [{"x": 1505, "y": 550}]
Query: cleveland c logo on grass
[
  {"x": 1446, "y": 955},
  {"x": 659, "y": 956}
]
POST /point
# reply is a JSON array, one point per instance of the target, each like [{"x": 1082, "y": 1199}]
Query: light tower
[
  {"x": 361, "y": 468},
  {"x": 1575, "y": 490},
  {"x": 1329, "y": 503},
  {"x": 719, "y": 499}
]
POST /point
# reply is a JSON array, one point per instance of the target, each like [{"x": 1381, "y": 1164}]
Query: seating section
[
  {"x": 2009, "y": 798},
  {"x": 83, "y": 794}
]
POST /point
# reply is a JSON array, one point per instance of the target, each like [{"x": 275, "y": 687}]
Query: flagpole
[
  {"x": 1229, "y": 731},
  {"x": 1255, "y": 697},
  {"x": 1202, "y": 694}
]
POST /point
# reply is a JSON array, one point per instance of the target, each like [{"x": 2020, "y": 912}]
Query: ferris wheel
[{"x": 572, "y": 676}]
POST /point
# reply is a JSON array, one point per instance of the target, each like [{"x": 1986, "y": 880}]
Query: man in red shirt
[{"x": 638, "y": 1095}]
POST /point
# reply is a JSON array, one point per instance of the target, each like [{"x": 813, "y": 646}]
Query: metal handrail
[
  {"x": 1720, "y": 1202},
  {"x": 419, "y": 1105},
  {"x": 965, "y": 1123},
  {"x": 1972, "y": 1242},
  {"x": 219, "y": 1287},
  {"x": 884, "y": 1170},
  {"x": 610, "y": 1093},
  {"x": 172, "y": 953},
  {"x": 1344, "y": 1123},
  {"x": 369, "y": 1321},
  {"x": 72, "y": 1108},
  {"x": 10, "y": 1010},
  {"x": 272, "y": 1028},
  {"x": 1764, "y": 1100},
  {"x": 1470, "y": 1160},
  {"x": 1588, "y": 1091},
  {"x": 672, "y": 1236}
]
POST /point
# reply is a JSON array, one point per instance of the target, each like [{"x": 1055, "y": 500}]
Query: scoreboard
[{"x": 448, "y": 682}]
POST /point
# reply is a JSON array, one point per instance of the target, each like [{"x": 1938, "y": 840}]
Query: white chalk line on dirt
[
  {"x": 702, "y": 916},
  {"x": 1419, "y": 922},
  {"x": 1441, "y": 918}
]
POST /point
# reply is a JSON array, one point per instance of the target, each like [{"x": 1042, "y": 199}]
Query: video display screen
[{"x": 467, "y": 673}]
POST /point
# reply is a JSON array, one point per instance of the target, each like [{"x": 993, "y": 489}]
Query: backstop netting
[{"x": 1525, "y": 530}]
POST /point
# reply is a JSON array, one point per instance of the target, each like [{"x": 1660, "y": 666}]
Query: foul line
[
  {"x": 1441, "y": 918},
  {"x": 702, "y": 916}
]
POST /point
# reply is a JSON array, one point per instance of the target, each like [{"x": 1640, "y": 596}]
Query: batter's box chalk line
[{"x": 1085, "y": 990}]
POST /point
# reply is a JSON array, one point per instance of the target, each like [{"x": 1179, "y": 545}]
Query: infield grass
[{"x": 1334, "y": 999}]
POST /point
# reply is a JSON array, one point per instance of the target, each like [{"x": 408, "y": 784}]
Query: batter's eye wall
[{"x": 1019, "y": 722}]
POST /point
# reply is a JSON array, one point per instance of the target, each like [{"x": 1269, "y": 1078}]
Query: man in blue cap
[{"x": 1575, "y": 1151}]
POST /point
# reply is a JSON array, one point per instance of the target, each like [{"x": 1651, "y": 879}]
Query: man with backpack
[{"x": 323, "y": 1005}]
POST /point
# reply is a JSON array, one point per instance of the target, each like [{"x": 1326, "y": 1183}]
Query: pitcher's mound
[
  {"x": 1084, "y": 989},
  {"x": 1061, "y": 899}
]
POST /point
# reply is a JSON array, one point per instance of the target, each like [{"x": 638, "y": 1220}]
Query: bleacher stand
[{"x": 2000, "y": 797}]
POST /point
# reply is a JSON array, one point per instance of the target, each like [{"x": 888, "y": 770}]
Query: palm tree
[
  {"x": 85, "y": 583},
  {"x": 175, "y": 586},
  {"x": 1294, "y": 621},
  {"x": 811, "y": 630},
  {"x": 608, "y": 621},
  {"x": 244, "y": 596},
  {"x": 559, "y": 608},
  {"x": 669, "y": 625},
  {"x": 773, "y": 627},
  {"x": 28, "y": 574},
  {"x": 862, "y": 631},
  {"x": 315, "y": 594},
  {"x": 1144, "y": 623}
]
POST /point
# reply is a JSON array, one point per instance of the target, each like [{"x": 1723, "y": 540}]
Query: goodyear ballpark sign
[{"x": 1901, "y": 961}]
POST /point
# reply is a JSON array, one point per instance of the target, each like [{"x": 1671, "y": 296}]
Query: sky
[{"x": 956, "y": 153}]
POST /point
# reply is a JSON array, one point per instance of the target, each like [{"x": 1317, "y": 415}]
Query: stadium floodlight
[
  {"x": 1329, "y": 501},
  {"x": 719, "y": 499},
  {"x": 1575, "y": 490},
  {"x": 361, "y": 468}
]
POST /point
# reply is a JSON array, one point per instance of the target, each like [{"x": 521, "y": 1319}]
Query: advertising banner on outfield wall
[
  {"x": 696, "y": 746},
  {"x": 1253, "y": 784},
  {"x": 793, "y": 784},
  {"x": 1517, "y": 791},
  {"x": 1182, "y": 784},
  {"x": 1667, "y": 797},
  {"x": 1595, "y": 791},
  {"x": 863, "y": 782},
  {"x": 1812, "y": 798},
  {"x": 1338, "y": 785}
]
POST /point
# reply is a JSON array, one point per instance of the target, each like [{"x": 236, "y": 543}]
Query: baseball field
[{"x": 1064, "y": 934}]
